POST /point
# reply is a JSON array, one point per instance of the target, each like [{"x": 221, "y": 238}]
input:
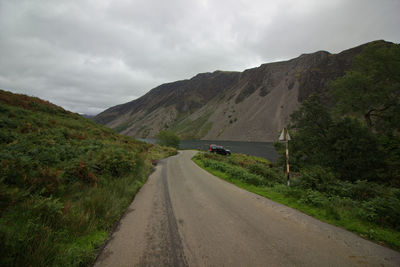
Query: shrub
[
  {"x": 267, "y": 172},
  {"x": 314, "y": 198},
  {"x": 28, "y": 232},
  {"x": 316, "y": 178},
  {"x": 168, "y": 138},
  {"x": 213, "y": 156},
  {"x": 257, "y": 168},
  {"x": 364, "y": 190},
  {"x": 115, "y": 162},
  {"x": 383, "y": 210}
]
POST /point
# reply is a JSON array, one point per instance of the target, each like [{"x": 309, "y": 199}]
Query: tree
[
  {"x": 354, "y": 152},
  {"x": 168, "y": 138},
  {"x": 371, "y": 89},
  {"x": 310, "y": 124},
  {"x": 343, "y": 145},
  {"x": 357, "y": 139}
]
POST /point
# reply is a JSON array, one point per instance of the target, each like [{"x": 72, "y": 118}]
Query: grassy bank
[
  {"x": 374, "y": 217},
  {"x": 64, "y": 182}
]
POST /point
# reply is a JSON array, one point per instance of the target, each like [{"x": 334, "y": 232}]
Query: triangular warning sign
[
  {"x": 287, "y": 135},
  {"x": 284, "y": 135}
]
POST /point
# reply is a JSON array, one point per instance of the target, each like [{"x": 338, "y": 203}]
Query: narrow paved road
[{"x": 184, "y": 216}]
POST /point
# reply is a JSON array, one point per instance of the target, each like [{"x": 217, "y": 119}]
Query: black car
[{"x": 219, "y": 150}]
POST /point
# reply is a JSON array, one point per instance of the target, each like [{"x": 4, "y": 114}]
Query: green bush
[
  {"x": 80, "y": 171},
  {"x": 116, "y": 162},
  {"x": 314, "y": 198},
  {"x": 316, "y": 178},
  {"x": 269, "y": 173},
  {"x": 364, "y": 190},
  {"x": 168, "y": 138},
  {"x": 383, "y": 210}
]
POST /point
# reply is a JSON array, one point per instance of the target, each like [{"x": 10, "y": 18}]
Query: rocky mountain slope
[{"x": 252, "y": 105}]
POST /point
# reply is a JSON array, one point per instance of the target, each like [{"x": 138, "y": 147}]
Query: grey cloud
[{"x": 87, "y": 55}]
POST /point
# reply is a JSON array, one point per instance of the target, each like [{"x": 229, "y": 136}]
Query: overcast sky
[{"x": 88, "y": 55}]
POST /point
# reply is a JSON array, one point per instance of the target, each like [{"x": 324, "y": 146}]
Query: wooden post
[
  {"x": 287, "y": 157},
  {"x": 285, "y": 137}
]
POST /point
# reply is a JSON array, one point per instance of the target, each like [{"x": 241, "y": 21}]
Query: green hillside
[{"x": 65, "y": 181}]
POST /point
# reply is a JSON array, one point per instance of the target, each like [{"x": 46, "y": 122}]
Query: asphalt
[{"x": 184, "y": 216}]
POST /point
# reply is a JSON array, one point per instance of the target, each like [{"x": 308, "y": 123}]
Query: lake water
[{"x": 259, "y": 149}]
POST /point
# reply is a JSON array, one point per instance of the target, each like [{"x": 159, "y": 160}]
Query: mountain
[
  {"x": 253, "y": 105},
  {"x": 87, "y": 116}
]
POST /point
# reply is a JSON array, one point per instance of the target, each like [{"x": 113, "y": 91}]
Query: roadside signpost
[{"x": 285, "y": 137}]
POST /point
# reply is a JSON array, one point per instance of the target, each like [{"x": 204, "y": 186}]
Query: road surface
[{"x": 184, "y": 216}]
